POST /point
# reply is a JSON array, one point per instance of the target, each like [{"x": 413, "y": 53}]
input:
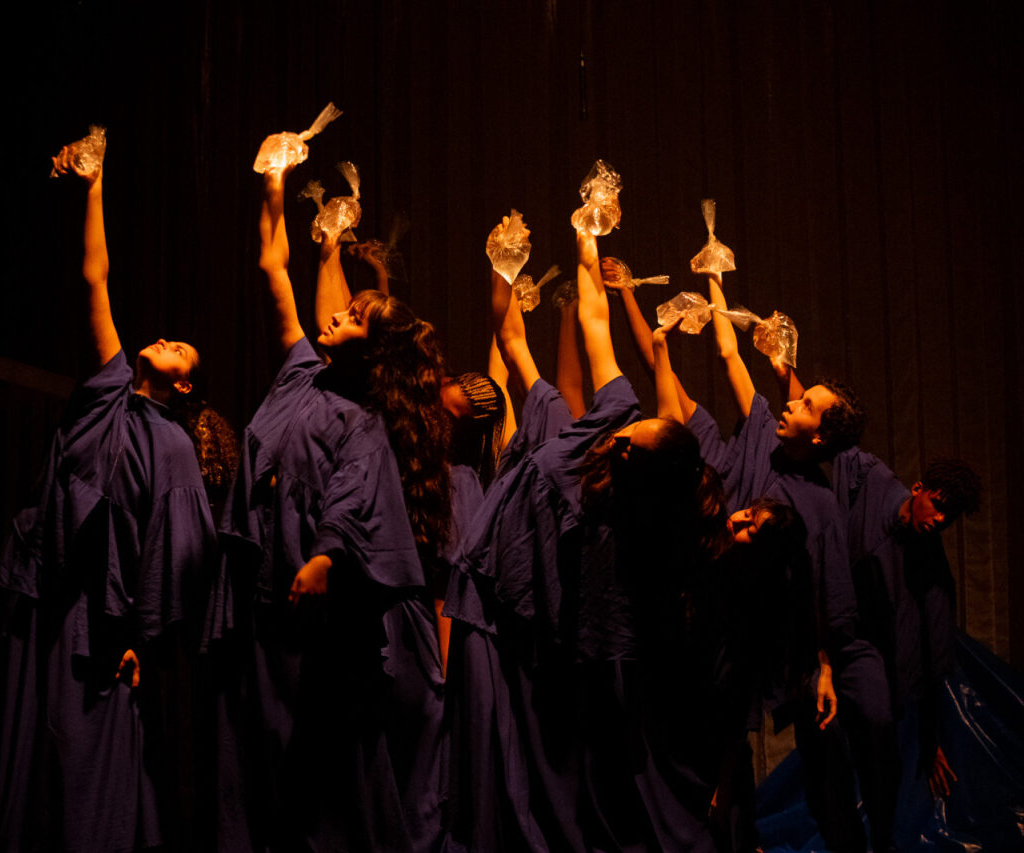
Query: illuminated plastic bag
[
  {"x": 621, "y": 273},
  {"x": 87, "y": 153},
  {"x": 508, "y": 246},
  {"x": 341, "y": 213},
  {"x": 692, "y": 307},
  {"x": 600, "y": 193},
  {"x": 528, "y": 293},
  {"x": 776, "y": 338},
  {"x": 565, "y": 294},
  {"x": 290, "y": 149},
  {"x": 715, "y": 257}
]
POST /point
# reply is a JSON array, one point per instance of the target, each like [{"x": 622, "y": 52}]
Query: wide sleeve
[
  {"x": 712, "y": 446},
  {"x": 363, "y": 520},
  {"x": 750, "y": 456},
  {"x": 544, "y": 414}
]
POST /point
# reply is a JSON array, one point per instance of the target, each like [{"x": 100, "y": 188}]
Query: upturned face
[
  {"x": 172, "y": 361},
  {"x": 801, "y": 418},
  {"x": 345, "y": 326},
  {"x": 745, "y": 524}
]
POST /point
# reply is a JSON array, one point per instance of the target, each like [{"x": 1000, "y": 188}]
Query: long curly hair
[
  {"x": 400, "y": 369},
  {"x": 214, "y": 440}
]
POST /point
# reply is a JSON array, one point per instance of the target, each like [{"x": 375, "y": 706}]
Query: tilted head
[
  {"x": 774, "y": 528},
  {"x": 165, "y": 368},
  {"x": 949, "y": 488},
  {"x": 826, "y": 420}
]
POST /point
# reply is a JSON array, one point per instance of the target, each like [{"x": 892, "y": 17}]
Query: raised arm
[
  {"x": 728, "y": 351},
  {"x": 593, "y": 312},
  {"x": 332, "y": 293},
  {"x": 510, "y": 333},
  {"x": 274, "y": 260},
  {"x": 95, "y": 263},
  {"x": 642, "y": 336},
  {"x": 569, "y": 371},
  {"x": 497, "y": 370}
]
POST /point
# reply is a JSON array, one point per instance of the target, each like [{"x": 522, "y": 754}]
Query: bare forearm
[
  {"x": 638, "y": 326},
  {"x": 593, "y": 313},
  {"x": 510, "y": 332},
  {"x": 95, "y": 268},
  {"x": 665, "y": 382},
  {"x": 569, "y": 376},
  {"x": 728, "y": 350},
  {"x": 274, "y": 261},
  {"x": 332, "y": 293}
]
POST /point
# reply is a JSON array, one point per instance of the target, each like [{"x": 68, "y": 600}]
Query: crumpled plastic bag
[
  {"x": 508, "y": 246},
  {"x": 387, "y": 253},
  {"x": 341, "y": 214},
  {"x": 87, "y": 153},
  {"x": 623, "y": 275},
  {"x": 692, "y": 307},
  {"x": 776, "y": 336},
  {"x": 715, "y": 257},
  {"x": 527, "y": 293},
  {"x": 565, "y": 294},
  {"x": 600, "y": 193},
  {"x": 287, "y": 149}
]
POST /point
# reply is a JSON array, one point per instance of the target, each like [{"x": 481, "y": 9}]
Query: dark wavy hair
[
  {"x": 957, "y": 484},
  {"x": 400, "y": 369},
  {"x": 842, "y": 423},
  {"x": 781, "y": 534},
  {"x": 214, "y": 440}
]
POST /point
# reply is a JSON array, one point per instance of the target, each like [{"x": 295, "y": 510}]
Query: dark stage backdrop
[{"x": 865, "y": 157}]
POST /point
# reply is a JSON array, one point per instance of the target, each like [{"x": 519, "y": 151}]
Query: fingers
[
  {"x": 295, "y": 593},
  {"x": 129, "y": 661}
]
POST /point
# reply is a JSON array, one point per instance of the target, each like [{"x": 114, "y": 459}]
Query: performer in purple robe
[
  {"x": 570, "y": 679},
  {"x": 94, "y": 574},
  {"x": 780, "y": 459},
  {"x": 331, "y": 734},
  {"x": 904, "y": 587}
]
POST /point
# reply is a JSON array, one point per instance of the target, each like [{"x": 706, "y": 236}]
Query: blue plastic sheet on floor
[{"x": 981, "y": 724}]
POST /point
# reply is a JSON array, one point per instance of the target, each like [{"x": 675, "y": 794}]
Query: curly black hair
[
  {"x": 842, "y": 423},
  {"x": 957, "y": 484}
]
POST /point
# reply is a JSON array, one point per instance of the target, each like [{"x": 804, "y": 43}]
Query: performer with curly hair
[
  {"x": 92, "y": 579},
  {"x": 330, "y": 734}
]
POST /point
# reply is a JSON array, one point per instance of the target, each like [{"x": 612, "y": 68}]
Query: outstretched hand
[
  {"x": 128, "y": 669},
  {"x": 611, "y": 274},
  {"x": 366, "y": 252},
  {"x": 662, "y": 333},
  {"x": 66, "y": 161},
  {"x": 826, "y": 698},
  {"x": 311, "y": 580}
]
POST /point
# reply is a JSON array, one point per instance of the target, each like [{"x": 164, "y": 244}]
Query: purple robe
[
  {"x": 545, "y": 413},
  {"x": 905, "y": 592},
  {"x": 111, "y": 555},
  {"x": 331, "y": 733},
  {"x": 566, "y": 694}
]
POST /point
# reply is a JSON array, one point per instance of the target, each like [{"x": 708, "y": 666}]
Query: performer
[
  {"x": 93, "y": 576},
  {"x": 580, "y": 660},
  {"x": 331, "y": 734},
  {"x": 780, "y": 459}
]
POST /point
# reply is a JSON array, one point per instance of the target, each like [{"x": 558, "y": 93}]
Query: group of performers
[{"x": 429, "y": 631}]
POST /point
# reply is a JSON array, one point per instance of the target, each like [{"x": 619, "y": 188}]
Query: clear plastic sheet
[
  {"x": 341, "y": 214},
  {"x": 600, "y": 193},
  {"x": 623, "y": 275},
  {"x": 565, "y": 294},
  {"x": 715, "y": 257},
  {"x": 289, "y": 149},
  {"x": 527, "y": 293},
  {"x": 508, "y": 246},
  {"x": 692, "y": 307},
  {"x": 87, "y": 153}
]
